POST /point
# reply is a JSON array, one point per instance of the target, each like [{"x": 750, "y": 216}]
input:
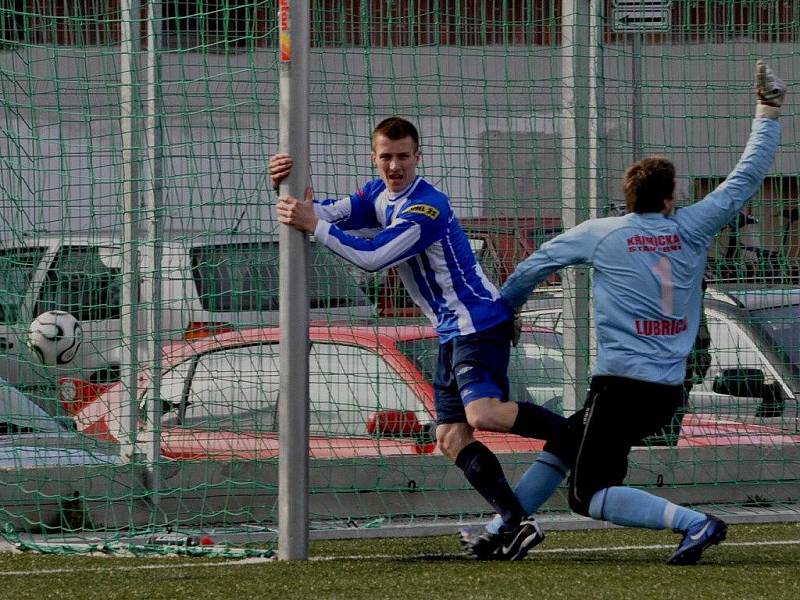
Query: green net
[{"x": 485, "y": 81}]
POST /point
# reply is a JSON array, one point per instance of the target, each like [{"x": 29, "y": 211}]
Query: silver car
[
  {"x": 210, "y": 283},
  {"x": 754, "y": 374},
  {"x": 31, "y": 438}
]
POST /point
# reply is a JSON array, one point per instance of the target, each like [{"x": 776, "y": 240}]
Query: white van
[{"x": 209, "y": 283}]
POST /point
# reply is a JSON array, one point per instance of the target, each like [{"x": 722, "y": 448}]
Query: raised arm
[{"x": 708, "y": 216}]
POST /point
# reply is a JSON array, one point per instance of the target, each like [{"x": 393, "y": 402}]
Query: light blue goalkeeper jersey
[
  {"x": 647, "y": 270},
  {"x": 416, "y": 231}
]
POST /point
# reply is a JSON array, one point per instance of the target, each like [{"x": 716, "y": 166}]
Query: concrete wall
[
  {"x": 488, "y": 117},
  {"x": 403, "y": 490}
]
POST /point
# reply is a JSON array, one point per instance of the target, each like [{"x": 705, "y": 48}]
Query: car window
[
  {"x": 536, "y": 370},
  {"x": 80, "y": 282},
  {"x": 731, "y": 347},
  {"x": 548, "y": 318},
  {"x": 174, "y": 386},
  {"x": 17, "y": 266},
  {"x": 423, "y": 352},
  {"x": 244, "y": 277},
  {"x": 486, "y": 259},
  {"x": 349, "y": 383},
  {"x": 235, "y": 389},
  {"x": 19, "y": 414},
  {"x": 780, "y": 325},
  {"x": 537, "y": 358},
  {"x": 541, "y": 235},
  {"x": 478, "y": 246}
]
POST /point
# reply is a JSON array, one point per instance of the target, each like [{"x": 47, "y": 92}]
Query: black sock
[
  {"x": 484, "y": 472},
  {"x": 534, "y": 421}
]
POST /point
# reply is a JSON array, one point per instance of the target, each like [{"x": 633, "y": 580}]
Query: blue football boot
[{"x": 696, "y": 539}]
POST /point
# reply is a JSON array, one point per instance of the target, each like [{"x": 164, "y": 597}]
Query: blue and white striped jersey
[
  {"x": 647, "y": 270},
  {"x": 416, "y": 231}
]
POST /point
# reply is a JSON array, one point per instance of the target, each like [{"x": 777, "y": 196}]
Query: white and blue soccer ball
[{"x": 55, "y": 337}]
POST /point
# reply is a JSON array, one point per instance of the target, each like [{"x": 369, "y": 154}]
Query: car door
[
  {"x": 741, "y": 382},
  {"x": 348, "y": 383},
  {"x": 224, "y": 404}
]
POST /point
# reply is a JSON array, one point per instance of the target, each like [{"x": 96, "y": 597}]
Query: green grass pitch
[{"x": 757, "y": 561}]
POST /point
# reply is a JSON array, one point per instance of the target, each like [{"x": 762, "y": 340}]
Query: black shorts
[{"x": 618, "y": 413}]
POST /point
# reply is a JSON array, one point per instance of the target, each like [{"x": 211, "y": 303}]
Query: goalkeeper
[
  {"x": 402, "y": 220},
  {"x": 647, "y": 272}
]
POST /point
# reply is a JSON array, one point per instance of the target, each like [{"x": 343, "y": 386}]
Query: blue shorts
[{"x": 470, "y": 367}]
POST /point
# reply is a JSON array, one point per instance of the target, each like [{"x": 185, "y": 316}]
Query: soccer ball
[{"x": 55, "y": 337}]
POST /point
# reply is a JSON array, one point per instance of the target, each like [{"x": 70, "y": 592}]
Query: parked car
[
  {"x": 31, "y": 438},
  {"x": 210, "y": 283},
  {"x": 757, "y": 253},
  {"x": 499, "y": 243},
  {"x": 755, "y": 369},
  {"x": 370, "y": 395},
  {"x": 755, "y": 353}
]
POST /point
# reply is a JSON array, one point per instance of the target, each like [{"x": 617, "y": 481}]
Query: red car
[{"x": 369, "y": 389}]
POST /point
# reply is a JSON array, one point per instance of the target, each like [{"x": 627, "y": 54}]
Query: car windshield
[
  {"x": 17, "y": 266},
  {"x": 244, "y": 276},
  {"x": 780, "y": 323},
  {"x": 80, "y": 282},
  {"x": 536, "y": 370}
]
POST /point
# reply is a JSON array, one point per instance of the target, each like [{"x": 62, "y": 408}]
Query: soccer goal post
[
  {"x": 293, "y": 488},
  {"x": 134, "y": 195}
]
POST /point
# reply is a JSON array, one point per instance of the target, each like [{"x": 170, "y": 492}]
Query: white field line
[{"x": 262, "y": 561}]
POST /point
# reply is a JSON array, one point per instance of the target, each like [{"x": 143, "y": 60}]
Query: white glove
[{"x": 770, "y": 91}]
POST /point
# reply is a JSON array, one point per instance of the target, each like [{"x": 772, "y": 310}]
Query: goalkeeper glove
[{"x": 770, "y": 91}]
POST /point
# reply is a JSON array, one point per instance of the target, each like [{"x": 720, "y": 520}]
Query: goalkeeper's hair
[
  {"x": 648, "y": 183},
  {"x": 396, "y": 128}
]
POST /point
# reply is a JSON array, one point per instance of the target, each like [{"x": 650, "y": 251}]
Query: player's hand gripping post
[{"x": 280, "y": 165}]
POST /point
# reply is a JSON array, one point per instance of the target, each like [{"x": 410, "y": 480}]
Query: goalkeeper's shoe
[
  {"x": 696, "y": 539},
  {"x": 508, "y": 544}
]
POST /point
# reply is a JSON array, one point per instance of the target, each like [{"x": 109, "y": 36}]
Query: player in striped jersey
[{"x": 402, "y": 220}]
